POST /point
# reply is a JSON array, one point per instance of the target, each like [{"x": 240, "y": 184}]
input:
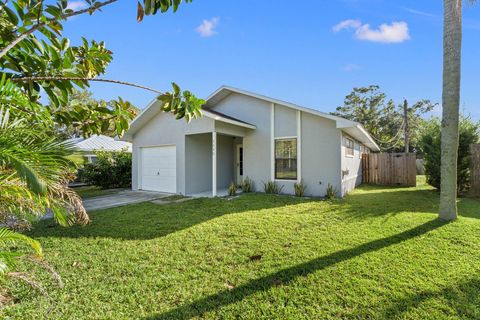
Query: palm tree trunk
[{"x": 452, "y": 43}]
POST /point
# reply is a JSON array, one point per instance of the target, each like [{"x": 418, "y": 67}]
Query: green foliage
[
  {"x": 181, "y": 104},
  {"x": 101, "y": 117},
  {"x": 331, "y": 192},
  {"x": 430, "y": 143},
  {"x": 110, "y": 170},
  {"x": 34, "y": 171},
  {"x": 110, "y": 118},
  {"x": 151, "y": 7},
  {"x": 49, "y": 64},
  {"x": 382, "y": 118},
  {"x": 300, "y": 188},
  {"x": 232, "y": 189},
  {"x": 271, "y": 187},
  {"x": 8, "y": 238},
  {"x": 247, "y": 185}
]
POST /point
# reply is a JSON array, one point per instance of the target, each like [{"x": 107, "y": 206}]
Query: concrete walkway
[
  {"x": 121, "y": 198},
  {"x": 118, "y": 199}
]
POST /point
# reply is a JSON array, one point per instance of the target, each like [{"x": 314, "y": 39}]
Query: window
[
  {"x": 349, "y": 147},
  {"x": 286, "y": 159}
]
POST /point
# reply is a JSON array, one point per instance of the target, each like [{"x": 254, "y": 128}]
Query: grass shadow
[
  {"x": 377, "y": 201},
  {"x": 226, "y": 297},
  {"x": 462, "y": 300},
  {"x": 148, "y": 221}
]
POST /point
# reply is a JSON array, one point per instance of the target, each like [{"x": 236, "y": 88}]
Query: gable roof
[
  {"x": 100, "y": 143},
  {"x": 150, "y": 112},
  {"x": 354, "y": 129}
]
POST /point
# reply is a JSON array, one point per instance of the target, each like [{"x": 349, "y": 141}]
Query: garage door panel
[{"x": 159, "y": 169}]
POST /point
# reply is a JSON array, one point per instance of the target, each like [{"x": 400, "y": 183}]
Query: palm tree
[
  {"x": 34, "y": 171},
  {"x": 452, "y": 44}
]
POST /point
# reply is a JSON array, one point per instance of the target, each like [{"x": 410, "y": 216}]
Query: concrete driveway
[{"x": 121, "y": 198}]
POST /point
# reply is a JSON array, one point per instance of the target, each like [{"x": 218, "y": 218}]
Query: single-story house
[
  {"x": 88, "y": 146},
  {"x": 244, "y": 134}
]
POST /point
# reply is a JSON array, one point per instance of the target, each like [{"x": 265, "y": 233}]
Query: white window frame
[
  {"x": 275, "y": 158},
  {"x": 347, "y": 148}
]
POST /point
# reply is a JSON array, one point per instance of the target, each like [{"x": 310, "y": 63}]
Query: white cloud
[
  {"x": 351, "y": 67},
  {"x": 207, "y": 28},
  {"x": 396, "y": 32},
  {"x": 420, "y": 13},
  {"x": 76, "y": 5},
  {"x": 347, "y": 24},
  {"x": 387, "y": 33}
]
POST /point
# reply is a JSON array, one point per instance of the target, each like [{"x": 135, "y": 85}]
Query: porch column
[{"x": 214, "y": 164}]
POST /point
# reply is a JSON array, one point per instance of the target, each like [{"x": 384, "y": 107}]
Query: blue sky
[{"x": 310, "y": 52}]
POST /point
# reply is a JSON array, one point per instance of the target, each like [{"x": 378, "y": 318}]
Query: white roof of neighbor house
[
  {"x": 100, "y": 143},
  {"x": 353, "y": 128}
]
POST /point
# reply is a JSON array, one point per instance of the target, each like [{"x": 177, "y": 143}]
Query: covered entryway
[
  {"x": 210, "y": 163},
  {"x": 158, "y": 169}
]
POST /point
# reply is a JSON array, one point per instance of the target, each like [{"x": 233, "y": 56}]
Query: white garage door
[{"x": 159, "y": 169}]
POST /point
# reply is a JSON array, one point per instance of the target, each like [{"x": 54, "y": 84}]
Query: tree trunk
[{"x": 452, "y": 43}]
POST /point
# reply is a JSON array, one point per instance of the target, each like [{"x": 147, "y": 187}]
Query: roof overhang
[
  {"x": 359, "y": 133},
  {"x": 140, "y": 120},
  {"x": 218, "y": 117},
  {"x": 151, "y": 111}
]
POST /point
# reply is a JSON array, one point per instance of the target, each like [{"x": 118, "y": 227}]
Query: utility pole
[{"x": 407, "y": 129}]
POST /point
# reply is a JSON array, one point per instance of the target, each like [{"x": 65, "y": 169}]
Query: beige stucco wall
[
  {"x": 198, "y": 163},
  {"x": 320, "y": 154},
  {"x": 256, "y": 143},
  {"x": 351, "y": 167},
  {"x": 164, "y": 129}
]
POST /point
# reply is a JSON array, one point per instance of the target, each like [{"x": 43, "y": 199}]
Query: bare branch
[
  {"x": 51, "y": 78},
  {"x": 39, "y": 25}
]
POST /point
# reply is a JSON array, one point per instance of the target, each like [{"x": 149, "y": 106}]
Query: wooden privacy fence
[
  {"x": 475, "y": 170},
  {"x": 398, "y": 169}
]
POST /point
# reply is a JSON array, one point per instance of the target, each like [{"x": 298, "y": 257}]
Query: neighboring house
[
  {"x": 88, "y": 146},
  {"x": 243, "y": 134}
]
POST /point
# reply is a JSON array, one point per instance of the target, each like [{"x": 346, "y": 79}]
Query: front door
[{"x": 239, "y": 164}]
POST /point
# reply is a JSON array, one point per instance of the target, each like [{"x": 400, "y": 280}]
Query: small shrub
[
  {"x": 300, "y": 188},
  {"x": 331, "y": 192},
  {"x": 110, "y": 170},
  {"x": 271, "y": 187},
  {"x": 247, "y": 185},
  {"x": 232, "y": 189}
]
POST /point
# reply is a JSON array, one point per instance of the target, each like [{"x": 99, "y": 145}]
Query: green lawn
[
  {"x": 379, "y": 254},
  {"x": 92, "y": 191}
]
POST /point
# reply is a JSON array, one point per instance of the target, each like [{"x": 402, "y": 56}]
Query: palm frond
[
  {"x": 9, "y": 236},
  {"x": 34, "y": 173}
]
